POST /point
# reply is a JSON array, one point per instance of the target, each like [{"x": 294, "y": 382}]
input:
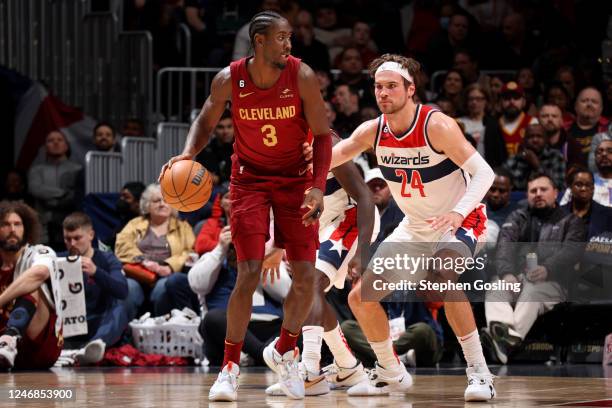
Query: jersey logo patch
[{"x": 243, "y": 95}]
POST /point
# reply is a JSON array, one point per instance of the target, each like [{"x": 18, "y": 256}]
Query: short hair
[
  {"x": 351, "y": 88},
  {"x": 261, "y": 22},
  {"x": 410, "y": 64},
  {"x": 227, "y": 114},
  {"x": 503, "y": 172},
  {"x": 539, "y": 174},
  {"x": 76, "y": 220},
  {"x": 135, "y": 188},
  {"x": 145, "y": 199},
  {"x": 68, "y": 152},
  {"x": 29, "y": 218},
  {"x": 557, "y": 85},
  {"x": 108, "y": 125},
  {"x": 574, "y": 171}
]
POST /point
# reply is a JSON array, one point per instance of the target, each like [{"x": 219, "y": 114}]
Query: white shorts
[{"x": 338, "y": 246}]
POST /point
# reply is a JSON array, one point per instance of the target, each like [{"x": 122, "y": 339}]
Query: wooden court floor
[{"x": 188, "y": 387}]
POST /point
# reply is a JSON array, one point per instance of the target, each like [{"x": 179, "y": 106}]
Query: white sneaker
[
  {"x": 382, "y": 382},
  {"x": 226, "y": 386},
  {"x": 286, "y": 366},
  {"x": 480, "y": 384},
  {"x": 92, "y": 353},
  {"x": 8, "y": 351},
  {"x": 341, "y": 377},
  {"x": 408, "y": 358},
  {"x": 314, "y": 384}
]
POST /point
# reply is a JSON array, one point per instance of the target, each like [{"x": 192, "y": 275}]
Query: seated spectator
[
  {"x": 533, "y": 155},
  {"x": 29, "y": 337},
  {"x": 104, "y": 137},
  {"x": 565, "y": 75},
  {"x": 127, "y": 208},
  {"x": 16, "y": 187},
  {"x": 217, "y": 155},
  {"x": 498, "y": 201},
  {"x": 133, "y": 127},
  {"x": 53, "y": 184},
  {"x": 588, "y": 122},
  {"x": 514, "y": 120},
  {"x": 597, "y": 139},
  {"x": 328, "y": 32},
  {"x": 159, "y": 243},
  {"x": 446, "y": 106},
  {"x": 208, "y": 236},
  {"x": 495, "y": 85},
  {"x": 442, "y": 46},
  {"x": 603, "y": 176},
  {"x": 551, "y": 117},
  {"x": 556, "y": 94},
  {"x": 452, "y": 88},
  {"x": 597, "y": 218},
  {"x": 362, "y": 39},
  {"x": 422, "y": 334},
  {"x": 351, "y": 74},
  {"x": 483, "y": 127},
  {"x": 324, "y": 84},
  {"x": 105, "y": 289},
  {"x": 306, "y": 46},
  {"x": 466, "y": 64},
  {"x": 390, "y": 214},
  {"x": 346, "y": 101},
  {"x": 526, "y": 78},
  {"x": 213, "y": 277},
  {"x": 542, "y": 221}
]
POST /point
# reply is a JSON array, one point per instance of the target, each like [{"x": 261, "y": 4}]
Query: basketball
[{"x": 186, "y": 186}]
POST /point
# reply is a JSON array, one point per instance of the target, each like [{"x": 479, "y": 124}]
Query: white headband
[{"x": 395, "y": 67}]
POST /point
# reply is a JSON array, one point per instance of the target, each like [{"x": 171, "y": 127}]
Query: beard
[
  {"x": 13, "y": 246},
  {"x": 511, "y": 113}
]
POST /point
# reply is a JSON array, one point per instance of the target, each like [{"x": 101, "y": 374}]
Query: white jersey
[
  {"x": 335, "y": 203},
  {"x": 424, "y": 183}
]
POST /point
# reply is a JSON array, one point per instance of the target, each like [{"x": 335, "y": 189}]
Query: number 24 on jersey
[{"x": 416, "y": 183}]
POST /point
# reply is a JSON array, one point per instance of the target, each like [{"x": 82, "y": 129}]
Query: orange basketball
[{"x": 186, "y": 186}]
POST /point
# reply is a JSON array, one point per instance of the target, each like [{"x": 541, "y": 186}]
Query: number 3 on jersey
[
  {"x": 269, "y": 132},
  {"x": 415, "y": 182}
]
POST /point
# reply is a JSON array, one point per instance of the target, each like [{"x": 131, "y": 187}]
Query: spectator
[
  {"x": 534, "y": 155},
  {"x": 208, "y": 236},
  {"x": 159, "y": 242},
  {"x": 597, "y": 139},
  {"x": 556, "y": 94},
  {"x": 495, "y": 85},
  {"x": 603, "y": 176},
  {"x": 498, "y": 201},
  {"x": 306, "y": 46},
  {"x": 390, "y": 214},
  {"x": 328, "y": 31},
  {"x": 212, "y": 278},
  {"x": 127, "y": 207},
  {"x": 467, "y": 65},
  {"x": 242, "y": 43},
  {"x": 105, "y": 289},
  {"x": 29, "y": 338},
  {"x": 513, "y": 120},
  {"x": 330, "y": 114},
  {"x": 542, "y": 221},
  {"x": 550, "y": 117},
  {"x": 514, "y": 49},
  {"x": 16, "y": 187},
  {"x": 346, "y": 101},
  {"x": 452, "y": 88},
  {"x": 104, "y": 137},
  {"x": 588, "y": 122},
  {"x": 483, "y": 128},
  {"x": 526, "y": 78},
  {"x": 565, "y": 75},
  {"x": 361, "y": 36},
  {"x": 442, "y": 46},
  {"x": 133, "y": 127},
  {"x": 597, "y": 218},
  {"x": 206, "y": 48},
  {"x": 324, "y": 83},
  {"x": 53, "y": 184},
  {"x": 446, "y": 106},
  {"x": 217, "y": 155},
  {"x": 351, "y": 74}
]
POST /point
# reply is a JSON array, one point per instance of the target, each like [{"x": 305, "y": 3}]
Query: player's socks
[
  {"x": 286, "y": 341},
  {"x": 232, "y": 352},
  {"x": 472, "y": 350},
  {"x": 21, "y": 316},
  {"x": 336, "y": 342},
  {"x": 385, "y": 354},
  {"x": 312, "y": 337}
]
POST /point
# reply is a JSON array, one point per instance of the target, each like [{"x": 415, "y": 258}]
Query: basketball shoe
[
  {"x": 314, "y": 384},
  {"x": 480, "y": 384},
  {"x": 8, "y": 351},
  {"x": 286, "y": 366},
  {"x": 226, "y": 386},
  {"x": 341, "y": 377},
  {"x": 383, "y": 381}
]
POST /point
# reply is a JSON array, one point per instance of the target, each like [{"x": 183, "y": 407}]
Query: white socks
[
  {"x": 385, "y": 354},
  {"x": 472, "y": 350},
  {"x": 311, "y": 354},
  {"x": 337, "y": 345}
]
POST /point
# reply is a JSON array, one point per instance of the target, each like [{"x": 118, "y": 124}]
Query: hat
[
  {"x": 372, "y": 174},
  {"x": 512, "y": 88}
]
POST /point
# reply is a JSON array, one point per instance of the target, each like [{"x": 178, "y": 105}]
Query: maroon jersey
[{"x": 269, "y": 124}]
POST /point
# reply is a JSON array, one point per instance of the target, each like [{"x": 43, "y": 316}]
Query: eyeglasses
[
  {"x": 580, "y": 185},
  {"x": 600, "y": 152}
]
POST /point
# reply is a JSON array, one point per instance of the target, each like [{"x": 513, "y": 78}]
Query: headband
[{"x": 395, "y": 67}]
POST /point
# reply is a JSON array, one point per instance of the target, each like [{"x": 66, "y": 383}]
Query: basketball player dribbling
[
  {"x": 424, "y": 158},
  {"x": 275, "y": 101}
]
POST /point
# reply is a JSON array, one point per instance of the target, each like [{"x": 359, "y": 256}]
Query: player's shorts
[
  {"x": 41, "y": 352},
  {"x": 338, "y": 245},
  {"x": 252, "y": 198},
  {"x": 419, "y": 241}
]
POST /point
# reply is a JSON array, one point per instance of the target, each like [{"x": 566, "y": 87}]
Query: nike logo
[
  {"x": 308, "y": 384},
  {"x": 340, "y": 379},
  {"x": 242, "y": 95}
]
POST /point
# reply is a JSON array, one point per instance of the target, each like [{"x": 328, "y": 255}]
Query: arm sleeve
[
  {"x": 203, "y": 275},
  {"x": 482, "y": 178},
  {"x": 322, "y": 151}
]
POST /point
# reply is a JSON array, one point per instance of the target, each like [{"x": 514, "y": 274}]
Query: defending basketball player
[
  {"x": 423, "y": 156},
  {"x": 275, "y": 101}
]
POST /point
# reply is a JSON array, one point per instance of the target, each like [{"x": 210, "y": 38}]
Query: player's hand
[
  {"x": 170, "y": 162},
  {"x": 538, "y": 274},
  {"x": 313, "y": 200},
  {"x": 451, "y": 220},
  {"x": 307, "y": 152},
  {"x": 88, "y": 266},
  {"x": 355, "y": 267},
  {"x": 271, "y": 266},
  {"x": 225, "y": 237}
]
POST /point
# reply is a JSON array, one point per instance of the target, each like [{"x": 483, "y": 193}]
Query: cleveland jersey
[
  {"x": 424, "y": 183},
  {"x": 269, "y": 124}
]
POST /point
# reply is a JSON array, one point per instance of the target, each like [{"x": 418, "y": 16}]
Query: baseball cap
[
  {"x": 512, "y": 87},
  {"x": 372, "y": 174}
]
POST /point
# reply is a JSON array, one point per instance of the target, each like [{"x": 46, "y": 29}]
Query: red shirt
[{"x": 269, "y": 124}]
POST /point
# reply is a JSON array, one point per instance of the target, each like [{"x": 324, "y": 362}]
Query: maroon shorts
[
  {"x": 41, "y": 352},
  {"x": 252, "y": 198}
]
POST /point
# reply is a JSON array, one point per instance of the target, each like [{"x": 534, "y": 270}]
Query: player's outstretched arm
[
  {"x": 361, "y": 139},
  {"x": 446, "y": 137},
  {"x": 204, "y": 124}
]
